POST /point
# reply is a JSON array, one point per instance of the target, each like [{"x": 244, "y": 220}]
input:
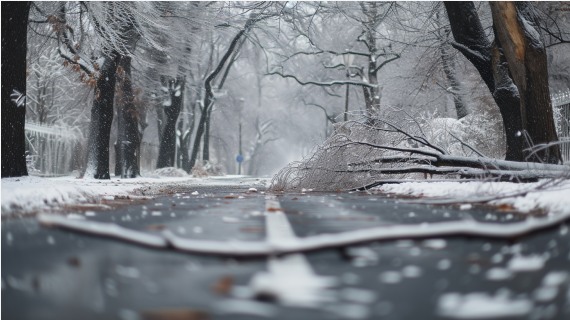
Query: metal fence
[
  {"x": 51, "y": 148},
  {"x": 561, "y": 106}
]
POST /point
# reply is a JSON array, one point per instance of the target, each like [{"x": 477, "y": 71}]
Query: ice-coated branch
[
  {"x": 394, "y": 159},
  {"x": 472, "y": 55},
  {"x": 397, "y": 56},
  {"x": 468, "y": 145},
  {"x": 330, "y": 118},
  {"x": 323, "y": 84},
  {"x": 329, "y": 51},
  {"x": 421, "y": 140}
]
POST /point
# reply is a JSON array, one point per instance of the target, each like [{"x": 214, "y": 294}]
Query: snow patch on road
[
  {"x": 478, "y": 305},
  {"x": 553, "y": 199},
  {"x": 30, "y": 193}
]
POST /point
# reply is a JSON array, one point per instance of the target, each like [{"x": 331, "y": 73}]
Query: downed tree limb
[
  {"x": 442, "y": 160},
  {"x": 311, "y": 243},
  {"x": 398, "y": 181},
  {"x": 469, "y": 172},
  {"x": 390, "y": 146}
]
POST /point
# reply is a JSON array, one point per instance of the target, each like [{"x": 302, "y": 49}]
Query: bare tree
[{"x": 14, "y": 35}]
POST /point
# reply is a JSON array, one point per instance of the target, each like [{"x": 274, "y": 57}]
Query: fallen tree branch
[{"x": 311, "y": 243}]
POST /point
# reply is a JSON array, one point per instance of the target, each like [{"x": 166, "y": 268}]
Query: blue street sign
[{"x": 239, "y": 159}]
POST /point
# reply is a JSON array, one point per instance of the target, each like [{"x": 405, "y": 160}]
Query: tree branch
[{"x": 323, "y": 84}]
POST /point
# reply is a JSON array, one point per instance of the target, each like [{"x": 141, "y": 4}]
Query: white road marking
[{"x": 290, "y": 278}]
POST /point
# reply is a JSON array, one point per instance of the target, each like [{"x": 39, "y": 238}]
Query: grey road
[{"x": 50, "y": 273}]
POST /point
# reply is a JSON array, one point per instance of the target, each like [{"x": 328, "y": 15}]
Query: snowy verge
[
  {"x": 29, "y": 193},
  {"x": 554, "y": 199}
]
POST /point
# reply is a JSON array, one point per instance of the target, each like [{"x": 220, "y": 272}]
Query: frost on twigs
[{"x": 394, "y": 145}]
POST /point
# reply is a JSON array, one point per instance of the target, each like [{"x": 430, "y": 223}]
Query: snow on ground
[
  {"x": 30, "y": 193},
  {"x": 554, "y": 199}
]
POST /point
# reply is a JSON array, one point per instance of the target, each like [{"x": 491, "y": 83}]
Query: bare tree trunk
[
  {"x": 206, "y": 145},
  {"x": 14, "y": 38},
  {"x": 507, "y": 96},
  {"x": 208, "y": 100},
  {"x": 449, "y": 69},
  {"x": 374, "y": 94},
  {"x": 101, "y": 119},
  {"x": 517, "y": 28},
  {"x": 126, "y": 164},
  {"x": 167, "y": 147},
  {"x": 185, "y": 143}
]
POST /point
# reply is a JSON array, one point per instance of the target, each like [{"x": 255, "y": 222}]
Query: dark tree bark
[
  {"x": 517, "y": 28},
  {"x": 101, "y": 119},
  {"x": 126, "y": 164},
  {"x": 185, "y": 139},
  {"x": 206, "y": 145},
  {"x": 507, "y": 97},
  {"x": 167, "y": 148},
  {"x": 14, "y": 46},
  {"x": 209, "y": 98},
  {"x": 516, "y": 57},
  {"x": 472, "y": 42}
]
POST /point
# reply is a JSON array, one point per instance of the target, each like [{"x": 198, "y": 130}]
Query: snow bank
[
  {"x": 554, "y": 199},
  {"x": 26, "y": 194}
]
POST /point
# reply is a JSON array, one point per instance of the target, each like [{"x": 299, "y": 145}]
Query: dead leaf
[
  {"x": 295, "y": 198},
  {"x": 229, "y": 197},
  {"x": 74, "y": 262},
  {"x": 223, "y": 286},
  {"x": 175, "y": 314},
  {"x": 506, "y": 207},
  {"x": 275, "y": 209},
  {"x": 155, "y": 227}
]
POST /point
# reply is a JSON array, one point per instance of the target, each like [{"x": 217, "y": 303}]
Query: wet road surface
[{"x": 49, "y": 273}]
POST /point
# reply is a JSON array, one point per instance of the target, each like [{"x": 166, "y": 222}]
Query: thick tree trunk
[
  {"x": 14, "y": 45},
  {"x": 470, "y": 38},
  {"x": 127, "y": 124},
  {"x": 101, "y": 119},
  {"x": 472, "y": 42},
  {"x": 167, "y": 149},
  {"x": 506, "y": 95},
  {"x": 517, "y": 28}
]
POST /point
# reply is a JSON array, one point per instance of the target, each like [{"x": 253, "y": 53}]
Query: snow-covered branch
[{"x": 323, "y": 84}]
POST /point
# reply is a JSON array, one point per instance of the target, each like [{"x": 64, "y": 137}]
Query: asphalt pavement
[{"x": 50, "y": 273}]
